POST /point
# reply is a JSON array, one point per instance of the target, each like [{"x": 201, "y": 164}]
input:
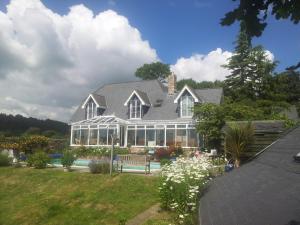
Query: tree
[
  {"x": 261, "y": 71},
  {"x": 210, "y": 122},
  {"x": 238, "y": 64},
  {"x": 190, "y": 82},
  {"x": 251, "y": 70},
  {"x": 238, "y": 137},
  {"x": 198, "y": 85},
  {"x": 153, "y": 71},
  {"x": 255, "y": 12}
]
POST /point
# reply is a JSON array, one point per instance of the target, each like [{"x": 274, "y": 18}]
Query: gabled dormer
[
  {"x": 186, "y": 100},
  {"x": 94, "y": 105},
  {"x": 137, "y": 103}
]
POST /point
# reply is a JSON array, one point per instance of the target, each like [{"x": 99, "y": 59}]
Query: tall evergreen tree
[
  {"x": 260, "y": 74},
  {"x": 239, "y": 66}
]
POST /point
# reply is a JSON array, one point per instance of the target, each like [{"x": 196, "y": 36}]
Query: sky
[{"x": 53, "y": 53}]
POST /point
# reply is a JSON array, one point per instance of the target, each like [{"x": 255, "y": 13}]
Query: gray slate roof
[
  {"x": 262, "y": 192},
  {"x": 100, "y": 100},
  {"x": 151, "y": 91},
  {"x": 144, "y": 96}
]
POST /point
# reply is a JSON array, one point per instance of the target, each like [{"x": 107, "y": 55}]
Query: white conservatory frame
[{"x": 123, "y": 126}]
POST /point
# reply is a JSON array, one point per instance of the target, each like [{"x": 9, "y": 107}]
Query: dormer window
[
  {"x": 186, "y": 105},
  {"x": 90, "y": 109},
  {"x": 94, "y": 105},
  {"x": 186, "y": 100},
  {"x": 137, "y": 104},
  {"x": 135, "y": 108}
]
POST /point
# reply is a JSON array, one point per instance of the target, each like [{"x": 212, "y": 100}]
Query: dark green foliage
[
  {"x": 198, "y": 85},
  {"x": 99, "y": 167},
  {"x": 254, "y": 13},
  {"x": 165, "y": 162},
  {"x": 17, "y": 125},
  {"x": 211, "y": 121},
  {"x": 4, "y": 160},
  {"x": 68, "y": 159},
  {"x": 153, "y": 71},
  {"x": 38, "y": 160},
  {"x": 298, "y": 108},
  {"x": 98, "y": 152},
  {"x": 251, "y": 71},
  {"x": 238, "y": 137}
]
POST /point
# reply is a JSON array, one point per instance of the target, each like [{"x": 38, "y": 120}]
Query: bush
[
  {"x": 4, "y": 160},
  {"x": 165, "y": 162},
  {"x": 175, "y": 151},
  {"x": 181, "y": 186},
  {"x": 99, "y": 167},
  {"x": 162, "y": 153},
  {"x": 68, "y": 159},
  {"x": 38, "y": 160},
  {"x": 98, "y": 152}
]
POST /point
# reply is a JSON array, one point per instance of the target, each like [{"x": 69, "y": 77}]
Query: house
[{"x": 140, "y": 113}]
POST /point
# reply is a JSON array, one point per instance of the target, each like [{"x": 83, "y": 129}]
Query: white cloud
[
  {"x": 203, "y": 67},
  {"x": 49, "y": 62},
  {"x": 270, "y": 56}
]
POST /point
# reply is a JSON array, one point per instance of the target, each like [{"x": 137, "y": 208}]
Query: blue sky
[
  {"x": 179, "y": 28},
  {"x": 55, "y": 52}
]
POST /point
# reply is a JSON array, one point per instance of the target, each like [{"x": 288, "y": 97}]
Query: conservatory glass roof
[{"x": 101, "y": 120}]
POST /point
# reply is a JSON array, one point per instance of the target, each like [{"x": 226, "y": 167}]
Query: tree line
[{"x": 17, "y": 125}]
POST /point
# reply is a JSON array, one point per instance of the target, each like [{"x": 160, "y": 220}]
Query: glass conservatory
[{"x": 99, "y": 130}]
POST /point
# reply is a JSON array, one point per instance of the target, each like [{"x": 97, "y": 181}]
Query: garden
[{"x": 35, "y": 192}]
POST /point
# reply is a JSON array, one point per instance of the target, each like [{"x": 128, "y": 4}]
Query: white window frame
[
  {"x": 135, "y": 106},
  {"x": 189, "y": 108}
]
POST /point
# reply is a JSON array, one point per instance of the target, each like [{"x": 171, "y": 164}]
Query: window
[
  {"x": 170, "y": 137},
  {"x": 84, "y": 137},
  {"x": 135, "y": 108},
  {"x": 186, "y": 105},
  {"x": 160, "y": 137},
  {"x": 181, "y": 138},
  {"x": 131, "y": 137},
  {"x": 91, "y": 109},
  {"x": 93, "y": 136},
  {"x": 150, "y": 137},
  {"x": 111, "y": 131},
  {"x": 103, "y": 136},
  {"x": 192, "y": 138},
  {"x": 76, "y": 137},
  {"x": 140, "y": 137}
]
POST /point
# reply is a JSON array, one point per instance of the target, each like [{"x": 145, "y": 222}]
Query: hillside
[{"x": 17, "y": 125}]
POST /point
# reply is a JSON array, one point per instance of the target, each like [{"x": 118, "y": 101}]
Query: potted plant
[{"x": 67, "y": 160}]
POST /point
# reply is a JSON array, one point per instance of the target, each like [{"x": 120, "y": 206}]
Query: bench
[{"x": 133, "y": 160}]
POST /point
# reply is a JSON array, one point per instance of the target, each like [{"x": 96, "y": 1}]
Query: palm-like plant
[{"x": 238, "y": 137}]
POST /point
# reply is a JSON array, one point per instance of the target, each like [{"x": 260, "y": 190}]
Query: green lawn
[{"x": 49, "y": 196}]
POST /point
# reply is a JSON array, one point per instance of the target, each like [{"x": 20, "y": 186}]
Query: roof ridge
[{"x": 127, "y": 82}]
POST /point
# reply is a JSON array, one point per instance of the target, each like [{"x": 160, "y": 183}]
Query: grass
[{"x": 49, "y": 196}]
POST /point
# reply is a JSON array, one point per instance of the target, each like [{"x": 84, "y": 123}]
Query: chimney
[{"x": 171, "y": 84}]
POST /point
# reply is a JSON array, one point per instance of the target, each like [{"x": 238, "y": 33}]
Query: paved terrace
[{"x": 265, "y": 191}]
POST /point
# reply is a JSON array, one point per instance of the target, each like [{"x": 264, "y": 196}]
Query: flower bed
[{"x": 181, "y": 185}]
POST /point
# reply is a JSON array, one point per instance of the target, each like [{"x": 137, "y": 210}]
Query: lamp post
[{"x": 113, "y": 139}]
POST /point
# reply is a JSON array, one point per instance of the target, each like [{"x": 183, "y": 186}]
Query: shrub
[
  {"x": 162, "y": 153},
  {"x": 238, "y": 137},
  {"x": 4, "y": 160},
  {"x": 181, "y": 185},
  {"x": 38, "y": 160},
  {"x": 68, "y": 159},
  {"x": 99, "y": 166},
  {"x": 165, "y": 162},
  {"x": 175, "y": 151}
]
